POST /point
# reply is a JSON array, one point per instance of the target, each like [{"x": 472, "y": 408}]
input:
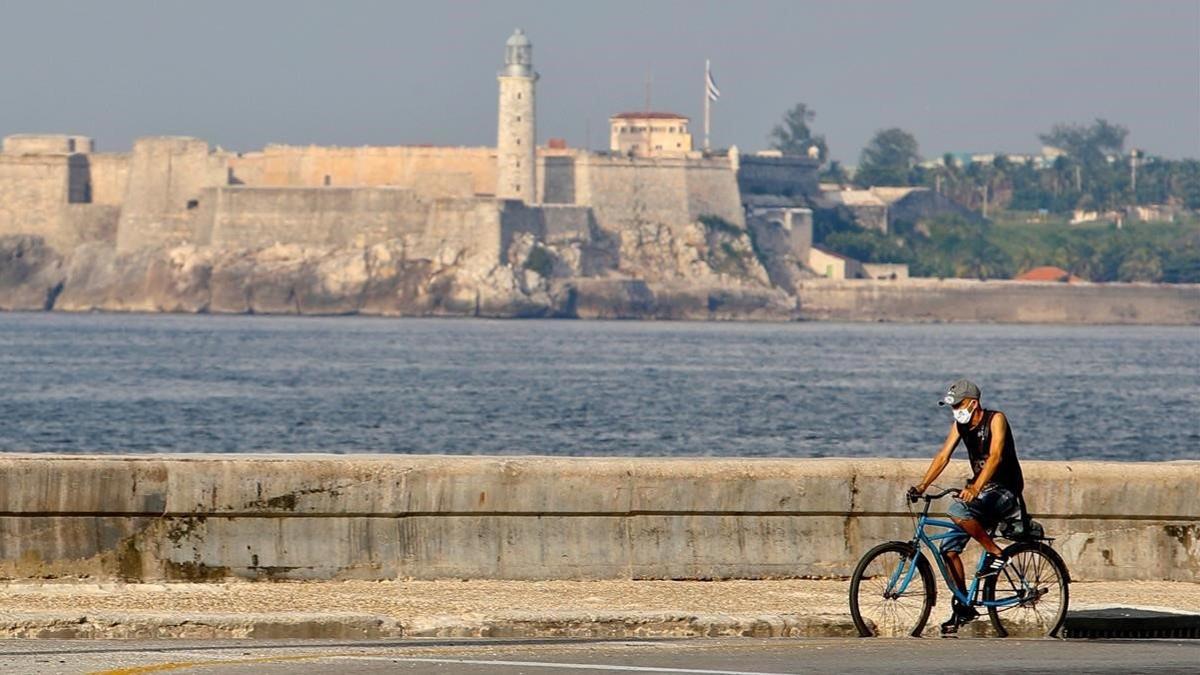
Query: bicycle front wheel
[
  {"x": 1036, "y": 582},
  {"x": 880, "y": 607}
]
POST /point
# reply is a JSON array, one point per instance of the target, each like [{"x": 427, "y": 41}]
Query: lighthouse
[{"x": 516, "y": 140}]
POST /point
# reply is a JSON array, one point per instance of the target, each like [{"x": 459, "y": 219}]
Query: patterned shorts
[{"x": 988, "y": 508}]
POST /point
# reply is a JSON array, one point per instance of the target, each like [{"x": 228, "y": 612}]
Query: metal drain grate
[{"x": 1130, "y": 623}]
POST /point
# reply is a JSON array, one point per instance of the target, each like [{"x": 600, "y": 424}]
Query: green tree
[
  {"x": 957, "y": 247},
  {"x": 1087, "y": 144},
  {"x": 869, "y": 246},
  {"x": 793, "y": 136},
  {"x": 1099, "y": 182},
  {"x": 888, "y": 159},
  {"x": 1140, "y": 264},
  {"x": 835, "y": 173},
  {"x": 1182, "y": 263}
]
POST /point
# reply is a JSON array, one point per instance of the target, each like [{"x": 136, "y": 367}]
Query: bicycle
[{"x": 892, "y": 590}]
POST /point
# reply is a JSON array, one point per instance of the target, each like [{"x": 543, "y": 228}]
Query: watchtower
[{"x": 516, "y": 132}]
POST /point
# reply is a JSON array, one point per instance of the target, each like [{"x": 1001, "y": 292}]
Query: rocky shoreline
[{"x": 381, "y": 280}]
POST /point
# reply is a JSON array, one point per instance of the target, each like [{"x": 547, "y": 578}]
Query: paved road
[{"x": 743, "y": 656}]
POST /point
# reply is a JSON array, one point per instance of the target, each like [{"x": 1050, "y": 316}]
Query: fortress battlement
[
  {"x": 172, "y": 190},
  {"x": 470, "y": 223}
]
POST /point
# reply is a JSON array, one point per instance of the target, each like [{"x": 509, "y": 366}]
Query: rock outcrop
[{"x": 693, "y": 271}]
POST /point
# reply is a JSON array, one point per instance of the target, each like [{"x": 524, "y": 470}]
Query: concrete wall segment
[
  {"x": 376, "y": 516},
  {"x": 1000, "y": 301}
]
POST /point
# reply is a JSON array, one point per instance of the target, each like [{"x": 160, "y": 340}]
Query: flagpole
[{"x": 707, "y": 102}]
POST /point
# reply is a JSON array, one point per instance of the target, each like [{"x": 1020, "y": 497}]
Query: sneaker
[
  {"x": 966, "y": 614},
  {"x": 992, "y": 565},
  {"x": 950, "y": 627},
  {"x": 960, "y": 616}
]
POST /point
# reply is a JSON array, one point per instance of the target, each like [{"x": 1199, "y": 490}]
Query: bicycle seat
[{"x": 1018, "y": 526}]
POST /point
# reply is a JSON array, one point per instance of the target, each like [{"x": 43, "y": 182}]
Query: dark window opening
[
  {"x": 193, "y": 203},
  {"x": 328, "y": 180}
]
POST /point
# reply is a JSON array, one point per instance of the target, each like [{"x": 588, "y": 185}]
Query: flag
[{"x": 710, "y": 83}]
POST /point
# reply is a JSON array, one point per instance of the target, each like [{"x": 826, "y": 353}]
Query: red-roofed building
[
  {"x": 649, "y": 134},
  {"x": 1048, "y": 273}
]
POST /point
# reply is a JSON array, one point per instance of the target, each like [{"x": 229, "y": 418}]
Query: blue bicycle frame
[{"x": 920, "y": 536}]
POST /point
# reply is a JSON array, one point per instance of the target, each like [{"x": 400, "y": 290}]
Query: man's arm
[
  {"x": 995, "y": 454},
  {"x": 940, "y": 460}
]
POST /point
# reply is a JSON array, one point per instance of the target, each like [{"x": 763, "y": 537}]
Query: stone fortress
[
  {"x": 543, "y": 213},
  {"x": 515, "y": 230}
]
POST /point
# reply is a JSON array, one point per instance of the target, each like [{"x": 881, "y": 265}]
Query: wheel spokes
[
  {"x": 890, "y": 613},
  {"x": 1034, "y": 579}
]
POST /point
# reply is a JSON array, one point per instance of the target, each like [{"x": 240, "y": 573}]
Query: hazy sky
[{"x": 961, "y": 76}]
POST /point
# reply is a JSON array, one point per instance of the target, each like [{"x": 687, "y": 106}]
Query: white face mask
[{"x": 963, "y": 415}]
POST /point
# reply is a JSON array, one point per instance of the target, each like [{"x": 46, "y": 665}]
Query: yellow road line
[{"x": 180, "y": 665}]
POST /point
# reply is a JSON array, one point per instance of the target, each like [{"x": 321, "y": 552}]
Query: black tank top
[{"x": 979, "y": 445}]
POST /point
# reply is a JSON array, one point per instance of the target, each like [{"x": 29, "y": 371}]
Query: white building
[{"x": 649, "y": 134}]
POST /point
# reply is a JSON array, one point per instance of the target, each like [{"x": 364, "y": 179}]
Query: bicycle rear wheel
[
  {"x": 1037, "y": 578},
  {"x": 877, "y": 609}
]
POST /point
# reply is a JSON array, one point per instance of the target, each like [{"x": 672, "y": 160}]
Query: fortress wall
[
  {"x": 712, "y": 190},
  {"x": 91, "y": 223},
  {"x": 564, "y": 223},
  {"x": 432, "y": 172},
  {"x": 551, "y": 224},
  {"x": 626, "y": 191},
  {"x": 778, "y": 175},
  {"x": 208, "y": 517},
  {"x": 53, "y": 196},
  {"x": 47, "y": 144},
  {"x": 999, "y": 301},
  {"x": 34, "y": 192},
  {"x": 440, "y": 229},
  {"x": 255, "y": 217},
  {"x": 480, "y": 228},
  {"x": 109, "y": 177},
  {"x": 556, "y": 175},
  {"x": 166, "y": 175}
]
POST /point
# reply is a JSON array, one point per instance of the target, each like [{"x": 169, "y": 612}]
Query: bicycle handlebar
[
  {"x": 930, "y": 498},
  {"x": 943, "y": 493}
]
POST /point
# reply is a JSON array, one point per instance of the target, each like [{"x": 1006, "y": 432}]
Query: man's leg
[
  {"x": 979, "y": 534},
  {"x": 954, "y": 562},
  {"x": 951, "y": 551}
]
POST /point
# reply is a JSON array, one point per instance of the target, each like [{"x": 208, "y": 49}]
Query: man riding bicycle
[{"x": 993, "y": 491}]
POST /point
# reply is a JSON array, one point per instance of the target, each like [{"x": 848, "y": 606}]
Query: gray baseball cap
[{"x": 958, "y": 391}]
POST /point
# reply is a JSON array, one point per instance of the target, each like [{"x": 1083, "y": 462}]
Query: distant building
[
  {"x": 833, "y": 265},
  {"x": 1048, "y": 273},
  {"x": 650, "y": 134},
  {"x": 965, "y": 159},
  {"x": 880, "y": 208},
  {"x": 1152, "y": 212},
  {"x": 869, "y": 209}
]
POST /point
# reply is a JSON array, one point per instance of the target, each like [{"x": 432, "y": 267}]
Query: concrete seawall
[
  {"x": 999, "y": 301},
  {"x": 205, "y": 517}
]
